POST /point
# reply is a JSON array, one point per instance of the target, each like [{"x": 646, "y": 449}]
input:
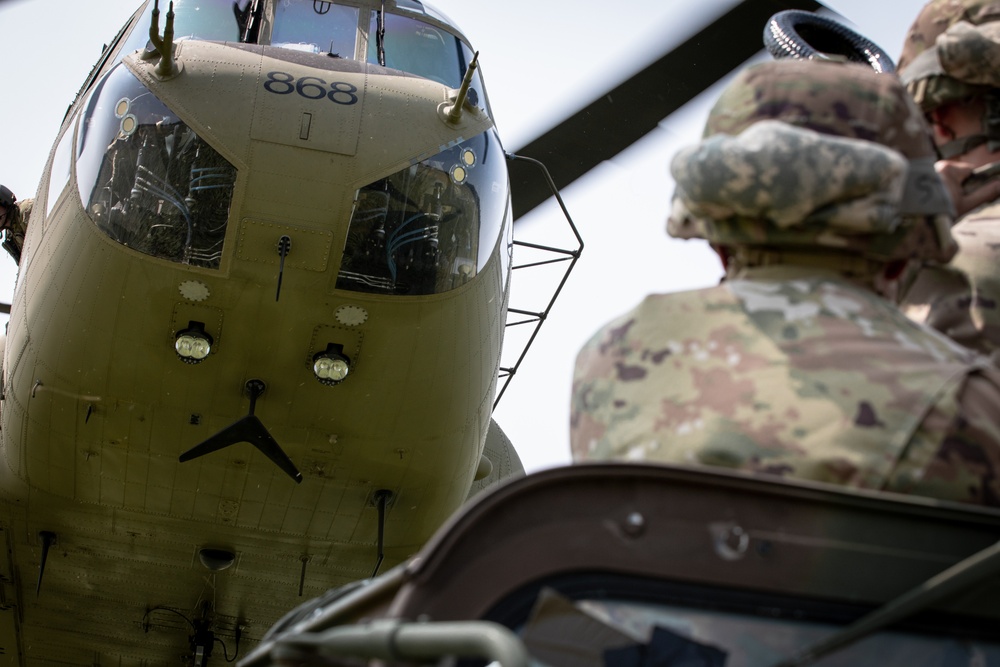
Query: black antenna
[
  {"x": 302, "y": 576},
  {"x": 284, "y": 245},
  {"x": 48, "y": 538},
  {"x": 248, "y": 429},
  {"x": 381, "y": 498}
]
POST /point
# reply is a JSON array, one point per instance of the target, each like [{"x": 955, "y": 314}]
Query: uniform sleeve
[
  {"x": 941, "y": 297},
  {"x": 955, "y": 454},
  {"x": 962, "y": 300}
]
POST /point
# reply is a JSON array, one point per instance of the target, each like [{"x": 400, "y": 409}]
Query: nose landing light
[
  {"x": 331, "y": 366},
  {"x": 193, "y": 344}
]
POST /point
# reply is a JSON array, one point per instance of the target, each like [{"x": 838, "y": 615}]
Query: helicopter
[
  {"x": 183, "y": 625},
  {"x": 619, "y": 182},
  {"x": 254, "y": 344}
]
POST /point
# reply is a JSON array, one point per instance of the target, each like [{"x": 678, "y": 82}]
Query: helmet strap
[
  {"x": 958, "y": 147},
  {"x": 991, "y": 130},
  {"x": 991, "y": 119}
]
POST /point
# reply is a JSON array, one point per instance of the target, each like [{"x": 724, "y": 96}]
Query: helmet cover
[{"x": 815, "y": 155}]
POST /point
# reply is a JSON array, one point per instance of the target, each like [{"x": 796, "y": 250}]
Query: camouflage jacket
[
  {"x": 16, "y": 227},
  {"x": 791, "y": 371},
  {"x": 962, "y": 299}
]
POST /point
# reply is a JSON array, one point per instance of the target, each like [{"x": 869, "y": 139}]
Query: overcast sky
[{"x": 541, "y": 61}]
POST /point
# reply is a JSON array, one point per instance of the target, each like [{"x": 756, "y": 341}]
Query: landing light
[
  {"x": 459, "y": 174},
  {"x": 193, "y": 344},
  {"x": 331, "y": 366}
]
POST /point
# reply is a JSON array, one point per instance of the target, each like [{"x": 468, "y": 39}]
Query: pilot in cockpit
[
  {"x": 406, "y": 37},
  {"x": 394, "y": 40},
  {"x": 13, "y": 222},
  {"x": 315, "y": 27}
]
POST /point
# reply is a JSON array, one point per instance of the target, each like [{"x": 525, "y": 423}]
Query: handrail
[{"x": 396, "y": 640}]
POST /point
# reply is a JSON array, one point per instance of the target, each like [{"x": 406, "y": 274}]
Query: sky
[{"x": 541, "y": 62}]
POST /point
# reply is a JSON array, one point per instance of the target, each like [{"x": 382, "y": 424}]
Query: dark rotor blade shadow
[{"x": 618, "y": 118}]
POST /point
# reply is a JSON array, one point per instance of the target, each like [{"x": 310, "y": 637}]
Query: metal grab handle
[{"x": 397, "y": 640}]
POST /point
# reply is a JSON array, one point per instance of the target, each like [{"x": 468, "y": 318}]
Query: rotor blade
[{"x": 622, "y": 116}]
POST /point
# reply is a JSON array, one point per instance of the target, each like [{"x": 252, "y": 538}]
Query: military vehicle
[
  {"x": 643, "y": 564},
  {"x": 255, "y": 340}
]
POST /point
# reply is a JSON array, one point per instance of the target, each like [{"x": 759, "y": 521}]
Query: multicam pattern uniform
[
  {"x": 952, "y": 51},
  {"x": 795, "y": 365},
  {"x": 962, "y": 299},
  {"x": 15, "y": 227},
  {"x": 791, "y": 372}
]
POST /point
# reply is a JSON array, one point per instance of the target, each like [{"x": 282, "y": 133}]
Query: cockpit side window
[
  {"x": 193, "y": 19},
  {"x": 316, "y": 27},
  {"x": 430, "y": 227},
  {"x": 147, "y": 180}
]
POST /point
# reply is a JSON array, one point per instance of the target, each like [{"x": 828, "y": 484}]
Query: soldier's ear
[
  {"x": 941, "y": 130},
  {"x": 723, "y": 253}
]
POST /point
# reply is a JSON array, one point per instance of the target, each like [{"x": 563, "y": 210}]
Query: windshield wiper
[
  {"x": 248, "y": 20},
  {"x": 380, "y": 35}
]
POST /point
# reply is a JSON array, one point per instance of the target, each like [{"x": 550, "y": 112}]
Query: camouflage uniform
[
  {"x": 952, "y": 52},
  {"x": 962, "y": 299},
  {"x": 15, "y": 227},
  {"x": 796, "y": 365},
  {"x": 13, "y": 222}
]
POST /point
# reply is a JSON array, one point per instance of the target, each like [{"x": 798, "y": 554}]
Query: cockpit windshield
[
  {"x": 315, "y": 27},
  {"x": 417, "y": 42},
  {"x": 193, "y": 19}
]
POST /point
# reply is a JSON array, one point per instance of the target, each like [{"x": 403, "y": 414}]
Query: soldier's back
[{"x": 788, "y": 370}]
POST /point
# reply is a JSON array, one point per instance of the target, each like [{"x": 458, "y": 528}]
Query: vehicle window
[
  {"x": 59, "y": 174},
  {"x": 560, "y": 630},
  {"x": 430, "y": 227},
  {"x": 146, "y": 179},
  {"x": 193, "y": 19},
  {"x": 315, "y": 27}
]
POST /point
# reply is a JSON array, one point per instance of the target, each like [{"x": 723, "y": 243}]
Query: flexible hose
[{"x": 794, "y": 33}]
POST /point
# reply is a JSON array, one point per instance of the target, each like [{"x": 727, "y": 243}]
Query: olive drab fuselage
[{"x": 281, "y": 203}]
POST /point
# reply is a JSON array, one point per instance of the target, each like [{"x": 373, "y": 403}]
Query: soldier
[
  {"x": 815, "y": 183},
  {"x": 951, "y": 66},
  {"x": 13, "y": 222}
]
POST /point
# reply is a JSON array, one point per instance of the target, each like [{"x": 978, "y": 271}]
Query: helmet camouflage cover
[
  {"x": 952, "y": 51},
  {"x": 819, "y": 156}
]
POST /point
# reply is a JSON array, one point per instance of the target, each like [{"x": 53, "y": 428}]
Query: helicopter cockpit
[
  {"x": 150, "y": 182},
  {"x": 404, "y": 34}
]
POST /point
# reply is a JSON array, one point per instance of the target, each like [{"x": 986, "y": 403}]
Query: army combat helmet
[
  {"x": 816, "y": 157},
  {"x": 952, "y": 53}
]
